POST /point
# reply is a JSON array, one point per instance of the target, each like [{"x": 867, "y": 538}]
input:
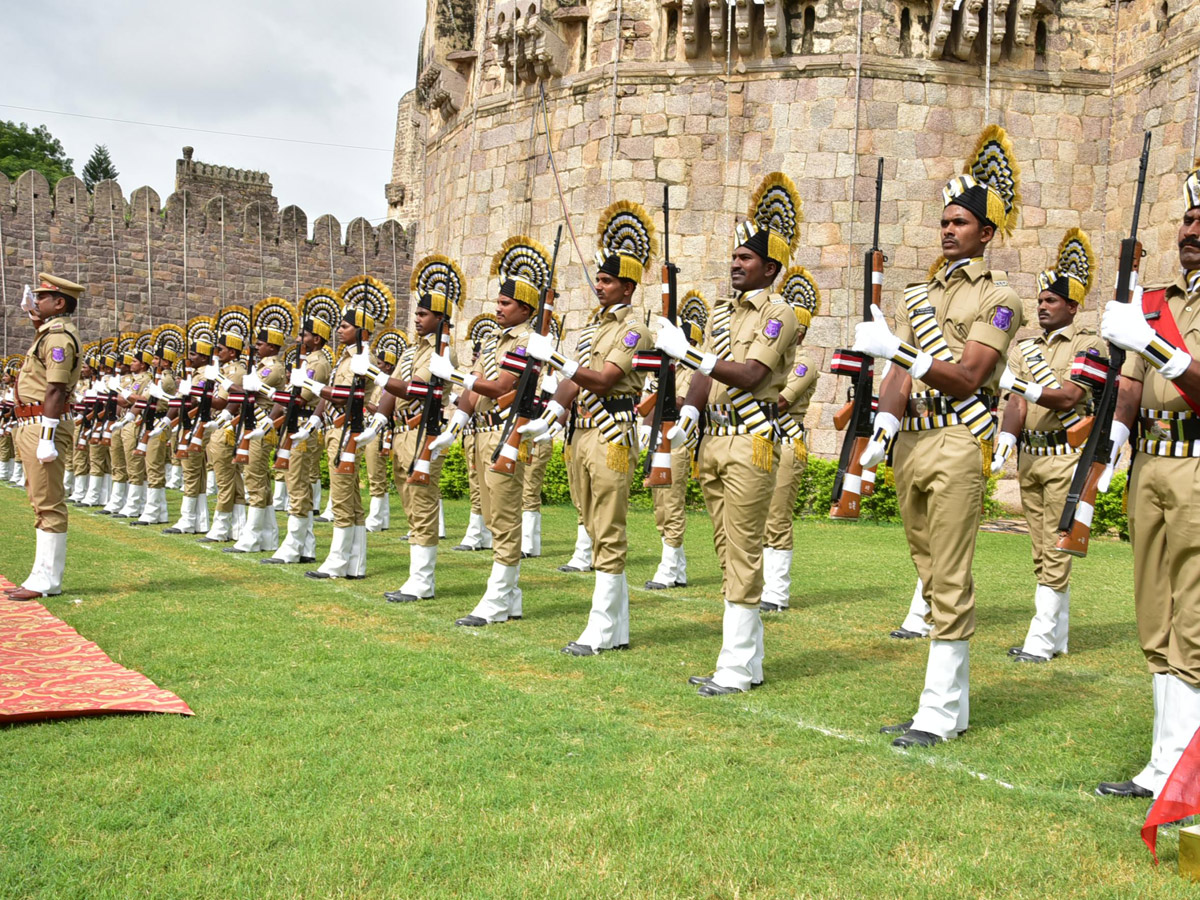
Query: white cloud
[{"x": 300, "y": 69}]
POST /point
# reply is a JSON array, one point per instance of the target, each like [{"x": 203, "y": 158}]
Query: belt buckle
[
  {"x": 1038, "y": 439},
  {"x": 1160, "y": 430},
  {"x": 921, "y": 407}
]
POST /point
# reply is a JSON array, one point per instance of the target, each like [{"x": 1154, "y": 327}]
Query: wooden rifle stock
[
  {"x": 841, "y": 418},
  {"x": 646, "y": 406},
  {"x": 1075, "y": 541},
  {"x": 658, "y": 474},
  {"x": 1078, "y": 433},
  {"x": 849, "y": 504}
]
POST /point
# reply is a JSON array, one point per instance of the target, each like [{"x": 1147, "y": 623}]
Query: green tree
[
  {"x": 22, "y": 148},
  {"x": 99, "y": 168}
]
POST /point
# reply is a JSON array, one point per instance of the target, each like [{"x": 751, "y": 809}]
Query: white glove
[
  {"x": 1005, "y": 444},
  {"x": 381, "y": 379},
  {"x": 670, "y": 340},
  {"x": 644, "y": 435},
  {"x": 537, "y": 428},
  {"x": 46, "y": 451},
  {"x": 550, "y": 382},
  {"x": 1030, "y": 390},
  {"x": 685, "y": 425},
  {"x": 377, "y": 424},
  {"x": 155, "y": 392},
  {"x": 540, "y": 346},
  {"x": 874, "y": 338},
  {"x": 251, "y": 383},
  {"x": 441, "y": 367},
  {"x": 223, "y": 418},
  {"x": 303, "y": 432},
  {"x": 1125, "y": 325},
  {"x": 257, "y": 432},
  {"x": 1118, "y": 434},
  {"x": 297, "y": 378},
  {"x": 457, "y": 423},
  {"x": 126, "y": 393},
  {"x": 556, "y": 428},
  {"x": 360, "y": 363},
  {"x": 211, "y": 372},
  {"x": 886, "y": 426},
  {"x": 185, "y": 387}
]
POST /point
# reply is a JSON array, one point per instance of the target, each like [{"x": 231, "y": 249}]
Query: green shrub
[
  {"x": 455, "y": 483},
  {"x": 1110, "y": 516}
]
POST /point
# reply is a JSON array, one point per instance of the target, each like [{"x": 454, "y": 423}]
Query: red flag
[{"x": 1179, "y": 798}]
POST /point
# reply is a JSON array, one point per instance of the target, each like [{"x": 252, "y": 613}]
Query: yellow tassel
[
  {"x": 1125, "y": 498},
  {"x": 270, "y": 438},
  {"x": 695, "y": 468},
  {"x": 985, "y": 452},
  {"x": 763, "y": 456},
  {"x": 800, "y": 451},
  {"x": 618, "y": 458},
  {"x": 525, "y": 452},
  {"x": 566, "y": 453}
]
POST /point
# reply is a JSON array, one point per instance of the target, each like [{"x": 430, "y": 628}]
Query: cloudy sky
[{"x": 307, "y": 71}]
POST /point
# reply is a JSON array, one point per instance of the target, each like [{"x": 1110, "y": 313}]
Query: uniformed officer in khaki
[
  {"x": 1042, "y": 405},
  {"x": 84, "y": 396},
  {"x": 1160, "y": 395},
  {"x": 99, "y": 458},
  {"x": 227, "y": 399},
  {"x": 437, "y": 283},
  {"x": 601, "y": 388},
  {"x": 799, "y": 289},
  {"x": 141, "y": 377},
  {"x": 193, "y": 508},
  {"x": 118, "y": 383},
  {"x": 158, "y": 440},
  {"x": 260, "y": 531},
  {"x": 480, "y": 329},
  {"x": 952, "y": 337},
  {"x": 375, "y": 456},
  {"x": 521, "y": 266},
  {"x": 746, "y": 357},
  {"x": 44, "y": 433},
  {"x": 534, "y": 478},
  {"x": 8, "y": 424},
  {"x": 299, "y": 544}
]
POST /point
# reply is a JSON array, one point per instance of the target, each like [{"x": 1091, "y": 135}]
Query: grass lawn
[{"x": 347, "y": 747}]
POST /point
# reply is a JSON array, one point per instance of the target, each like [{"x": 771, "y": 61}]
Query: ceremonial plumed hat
[
  {"x": 693, "y": 316},
  {"x": 125, "y": 347},
  {"x": 372, "y": 297},
  {"x": 88, "y": 351},
  {"x": 481, "y": 328},
  {"x": 522, "y": 267},
  {"x": 989, "y": 187},
  {"x": 201, "y": 335},
  {"x": 626, "y": 241},
  {"x": 48, "y": 282},
  {"x": 802, "y": 294},
  {"x": 274, "y": 321},
  {"x": 772, "y": 229},
  {"x": 233, "y": 328},
  {"x": 1191, "y": 188},
  {"x": 438, "y": 284},
  {"x": 319, "y": 309},
  {"x": 107, "y": 353},
  {"x": 13, "y": 364},
  {"x": 388, "y": 345},
  {"x": 169, "y": 342},
  {"x": 359, "y": 318},
  {"x": 1073, "y": 273}
]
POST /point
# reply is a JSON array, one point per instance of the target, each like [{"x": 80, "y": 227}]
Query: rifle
[
  {"x": 658, "y": 463},
  {"x": 195, "y": 442},
  {"x": 848, "y": 483},
  {"x": 352, "y": 422},
  {"x": 1075, "y": 526},
  {"x": 291, "y": 415},
  {"x": 146, "y": 425},
  {"x": 504, "y": 460},
  {"x": 431, "y": 418},
  {"x": 89, "y": 413},
  {"x": 246, "y": 415}
]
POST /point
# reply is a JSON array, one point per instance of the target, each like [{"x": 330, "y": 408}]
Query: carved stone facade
[{"x": 709, "y": 98}]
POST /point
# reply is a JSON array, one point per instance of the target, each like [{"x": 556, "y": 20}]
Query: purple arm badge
[
  {"x": 58, "y": 354},
  {"x": 1002, "y": 317},
  {"x": 802, "y": 370},
  {"x": 631, "y": 338},
  {"x": 773, "y": 328},
  {"x": 312, "y": 373},
  {"x": 266, "y": 373},
  {"x": 520, "y": 351}
]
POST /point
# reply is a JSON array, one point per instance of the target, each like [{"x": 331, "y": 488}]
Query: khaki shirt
[
  {"x": 762, "y": 328},
  {"x": 316, "y": 367},
  {"x": 972, "y": 304},
  {"x": 414, "y": 366},
  {"x": 273, "y": 374},
  {"x": 619, "y": 336},
  {"x": 1058, "y": 350},
  {"x": 233, "y": 370},
  {"x": 801, "y": 383},
  {"x": 1158, "y": 392},
  {"x": 508, "y": 341},
  {"x": 53, "y": 357}
]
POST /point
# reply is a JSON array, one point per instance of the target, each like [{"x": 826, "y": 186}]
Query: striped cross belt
[
  {"x": 1046, "y": 443},
  {"x": 1167, "y": 433},
  {"x": 928, "y": 410},
  {"x": 724, "y": 420},
  {"x": 620, "y": 407}
]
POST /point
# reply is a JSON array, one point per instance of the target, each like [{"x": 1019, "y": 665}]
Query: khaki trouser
[
  {"x": 571, "y": 458},
  {"x": 44, "y": 481},
  {"x": 231, "y": 491},
  {"x": 116, "y": 455},
  {"x": 779, "y": 534},
  {"x": 500, "y": 497},
  {"x": 1164, "y": 528},
  {"x": 939, "y": 485},
  {"x": 344, "y": 490},
  {"x": 80, "y": 461},
  {"x": 535, "y": 476},
  {"x": 420, "y": 501},
  {"x": 376, "y": 462},
  {"x": 670, "y": 503},
  {"x": 257, "y": 477},
  {"x": 305, "y": 459},
  {"x": 1045, "y": 481},
  {"x": 158, "y": 449},
  {"x": 738, "y": 496},
  {"x": 6, "y": 447},
  {"x": 98, "y": 460},
  {"x": 135, "y": 465},
  {"x": 473, "y": 477},
  {"x": 603, "y": 496},
  {"x": 195, "y": 472}
]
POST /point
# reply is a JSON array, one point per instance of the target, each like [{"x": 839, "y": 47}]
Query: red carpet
[{"x": 47, "y": 671}]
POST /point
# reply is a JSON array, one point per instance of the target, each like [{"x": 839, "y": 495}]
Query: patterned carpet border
[{"x": 48, "y": 671}]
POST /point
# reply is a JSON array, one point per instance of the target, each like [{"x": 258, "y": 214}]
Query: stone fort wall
[
  {"x": 220, "y": 238},
  {"x": 707, "y": 101}
]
